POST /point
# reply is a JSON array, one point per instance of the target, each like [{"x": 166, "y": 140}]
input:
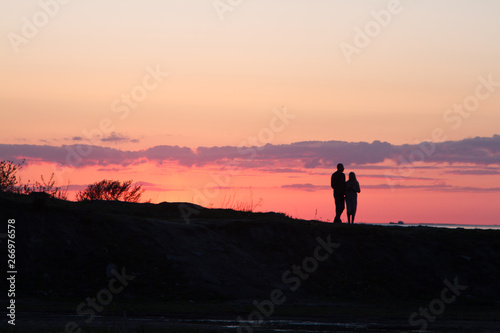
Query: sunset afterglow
[{"x": 253, "y": 104}]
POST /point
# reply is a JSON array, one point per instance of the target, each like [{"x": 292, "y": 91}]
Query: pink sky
[
  {"x": 456, "y": 182},
  {"x": 169, "y": 93}
]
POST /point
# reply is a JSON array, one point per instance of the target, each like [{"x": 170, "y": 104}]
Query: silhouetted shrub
[
  {"x": 111, "y": 190},
  {"x": 48, "y": 187},
  {"x": 9, "y": 181},
  {"x": 8, "y": 177}
]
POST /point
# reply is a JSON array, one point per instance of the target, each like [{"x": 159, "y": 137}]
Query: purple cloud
[
  {"x": 309, "y": 154},
  {"x": 478, "y": 172},
  {"x": 306, "y": 187},
  {"x": 118, "y": 138},
  {"x": 429, "y": 187}
]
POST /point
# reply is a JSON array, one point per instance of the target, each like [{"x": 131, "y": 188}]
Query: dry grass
[{"x": 232, "y": 201}]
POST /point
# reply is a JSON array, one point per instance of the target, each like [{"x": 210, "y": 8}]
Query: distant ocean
[{"x": 450, "y": 226}]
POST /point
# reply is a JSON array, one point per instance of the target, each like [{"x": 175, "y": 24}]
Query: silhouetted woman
[{"x": 351, "y": 196}]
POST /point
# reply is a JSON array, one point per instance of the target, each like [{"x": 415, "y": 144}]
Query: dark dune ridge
[{"x": 224, "y": 262}]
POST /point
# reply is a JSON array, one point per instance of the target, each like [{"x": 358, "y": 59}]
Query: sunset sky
[{"x": 254, "y": 102}]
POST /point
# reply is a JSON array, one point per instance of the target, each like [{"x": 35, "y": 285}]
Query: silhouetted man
[{"x": 338, "y": 185}]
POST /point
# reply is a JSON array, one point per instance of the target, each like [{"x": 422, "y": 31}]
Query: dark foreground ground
[{"x": 116, "y": 267}]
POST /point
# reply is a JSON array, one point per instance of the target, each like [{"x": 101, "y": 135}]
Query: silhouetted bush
[
  {"x": 48, "y": 187},
  {"x": 111, "y": 190},
  {"x": 9, "y": 181},
  {"x": 8, "y": 177}
]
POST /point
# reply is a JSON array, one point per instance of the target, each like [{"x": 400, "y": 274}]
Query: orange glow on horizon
[{"x": 268, "y": 191}]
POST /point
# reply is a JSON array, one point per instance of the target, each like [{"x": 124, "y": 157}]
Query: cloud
[
  {"x": 118, "y": 138},
  {"x": 306, "y": 187},
  {"x": 74, "y": 187},
  {"x": 282, "y": 170},
  {"x": 309, "y": 154},
  {"x": 478, "y": 172},
  {"x": 114, "y": 137},
  {"x": 478, "y": 150},
  {"x": 429, "y": 187},
  {"x": 154, "y": 187},
  {"x": 112, "y": 169},
  {"x": 312, "y": 188},
  {"x": 69, "y": 155},
  {"x": 159, "y": 154},
  {"x": 471, "y": 189},
  {"x": 433, "y": 187},
  {"x": 145, "y": 185},
  {"x": 394, "y": 177}
]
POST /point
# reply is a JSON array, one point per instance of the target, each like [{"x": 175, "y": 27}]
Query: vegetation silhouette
[
  {"x": 9, "y": 182},
  {"x": 111, "y": 190},
  {"x": 8, "y": 177}
]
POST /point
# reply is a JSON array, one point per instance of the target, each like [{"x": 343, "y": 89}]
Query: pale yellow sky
[{"x": 227, "y": 76}]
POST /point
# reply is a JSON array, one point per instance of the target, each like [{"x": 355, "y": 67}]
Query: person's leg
[
  {"x": 348, "y": 204},
  {"x": 339, "y": 208},
  {"x": 354, "y": 207},
  {"x": 336, "y": 209},
  {"x": 342, "y": 206}
]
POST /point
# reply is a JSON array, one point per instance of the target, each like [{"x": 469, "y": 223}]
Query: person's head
[
  {"x": 352, "y": 176},
  {"x": 340, "y": 167}
]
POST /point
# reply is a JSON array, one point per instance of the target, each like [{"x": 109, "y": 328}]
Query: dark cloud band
[{"x": 309, "y": 154}]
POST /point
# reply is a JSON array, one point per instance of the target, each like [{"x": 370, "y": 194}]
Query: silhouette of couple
[{"x": 345, "y": 192}]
